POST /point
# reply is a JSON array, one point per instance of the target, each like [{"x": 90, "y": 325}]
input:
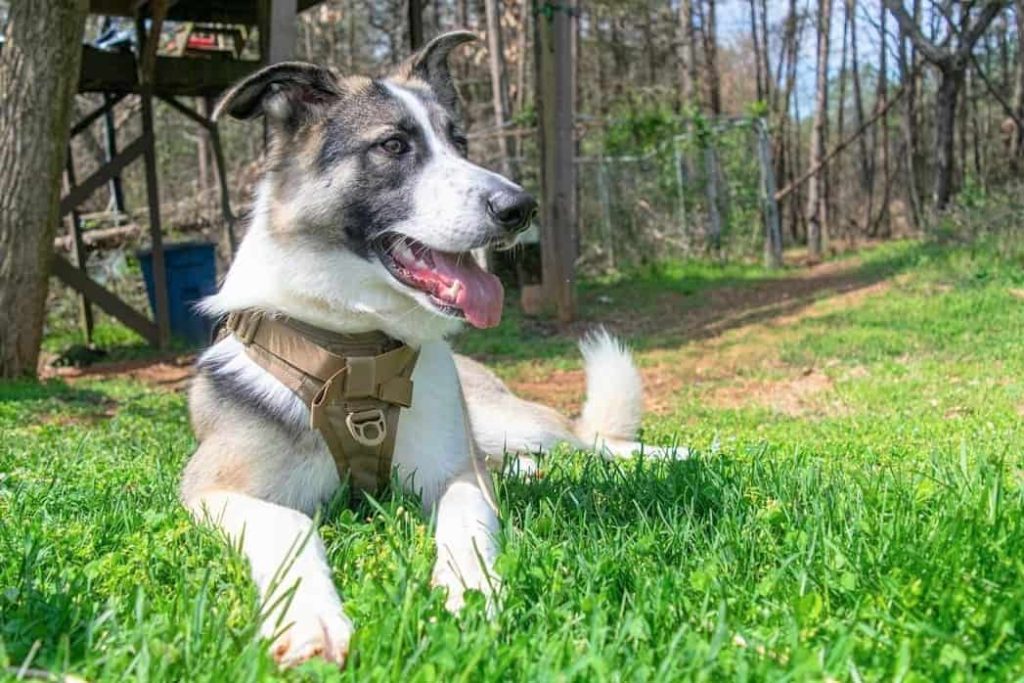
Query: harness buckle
[{"x": 367, "y": 427}]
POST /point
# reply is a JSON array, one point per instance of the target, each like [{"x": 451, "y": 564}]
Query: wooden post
[
  {"x": 415, "y": 24},
  {"x": 277, "y": 43},
  {"x": 556, "y": 116},
  {"x": 147, "y": 60}
]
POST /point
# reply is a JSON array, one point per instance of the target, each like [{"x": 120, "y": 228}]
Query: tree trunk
[
  {"x": 38, "y": 78},
  {"x": 864, "y": 165},
  {"x": 688, "y": 54},
  {"x": 1018, "y": 105},
  {"x": 781, "y": 96},
  {"x": 839, "y": 194},
  {"x": 760, "y": 81},
  {"x": 711, "y": 75},
  {"x": 910, "y": 78},
  {"x": 499, "y": 84},
  {"x": 817, "y": 201},
  {"x": 945, "y": 135},
  {"x": 767, "y": 58},
  {"x": 884, "y": 222}
]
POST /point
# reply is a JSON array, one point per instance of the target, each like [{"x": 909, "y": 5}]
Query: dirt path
[
  {"x": 713, "y": 340},
  {"x": 734, "y": 329}
]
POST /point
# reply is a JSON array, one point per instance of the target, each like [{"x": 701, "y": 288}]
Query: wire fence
[{"x": 708, "y": 191}]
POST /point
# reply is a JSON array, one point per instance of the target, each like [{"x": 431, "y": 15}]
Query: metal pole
[{"x": 773, "y": 230}]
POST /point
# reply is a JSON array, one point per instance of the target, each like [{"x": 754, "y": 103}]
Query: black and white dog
[{"x": 364, "y": 221}]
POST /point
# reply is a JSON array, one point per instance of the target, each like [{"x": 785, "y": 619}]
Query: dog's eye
[
  {"x": 395, "y": 146},
  {"x": 461, "y": 143}
]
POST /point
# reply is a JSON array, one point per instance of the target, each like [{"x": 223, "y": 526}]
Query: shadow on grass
[
  {"x": 50, "y": 390},
  {"x": 667, "y": 310}
]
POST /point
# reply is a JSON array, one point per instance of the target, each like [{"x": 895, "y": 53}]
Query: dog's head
[{"x": 377, "y": 168}]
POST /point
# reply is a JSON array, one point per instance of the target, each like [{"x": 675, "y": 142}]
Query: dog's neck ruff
[{"x": 354, "y": 384}]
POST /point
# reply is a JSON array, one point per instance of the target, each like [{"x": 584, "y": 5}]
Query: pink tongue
[{"x": 481, "y": 295}]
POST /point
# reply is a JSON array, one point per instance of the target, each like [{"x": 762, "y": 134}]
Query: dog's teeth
[
  {"x": 403, "y": 253},
  {"x": 453, "y": 291}
]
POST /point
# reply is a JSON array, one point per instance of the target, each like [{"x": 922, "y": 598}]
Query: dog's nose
[{"x": 511, "y": 209}]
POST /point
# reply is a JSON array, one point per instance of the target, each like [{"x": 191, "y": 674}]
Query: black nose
[{"x": 511, "y": 209}]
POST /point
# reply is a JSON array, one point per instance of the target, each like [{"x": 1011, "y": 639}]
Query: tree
[
  {"x": 38, "y": 78},
  {"x": 499, "y": 82},
  {"x": 817, "y": 199},
  {"x": 866, "y": 164},
  {"x": 951, "y": 58},
  {"x": 712, "y": 78},
  {"x": 1018, "y": 97},
  {"x": 687, "y": 54}
]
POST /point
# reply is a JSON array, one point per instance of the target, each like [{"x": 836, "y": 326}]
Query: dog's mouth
[{"x": 453, "y": 282}]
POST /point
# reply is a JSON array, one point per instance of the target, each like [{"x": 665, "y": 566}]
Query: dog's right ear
[{"x": 286, "y": 93}]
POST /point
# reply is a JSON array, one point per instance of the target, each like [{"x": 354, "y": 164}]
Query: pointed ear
[
  {"x": 287, "y": 93},
  {"x": 430, "y": 64}
]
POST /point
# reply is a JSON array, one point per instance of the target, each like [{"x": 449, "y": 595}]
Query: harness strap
[{"x": 355, "y": 387}]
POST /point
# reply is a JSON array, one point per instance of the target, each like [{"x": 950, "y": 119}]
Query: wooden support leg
[
  {"x": 147, "y": 59},
  {"x": 225, "y": 198},
  {"x": 116, "y": 191},
  {"x": 75, "y": 227},
  {"x": 163, "y": 321}
]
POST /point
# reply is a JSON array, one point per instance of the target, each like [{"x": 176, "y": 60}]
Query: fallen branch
[
  {"x": 101, "y": 238},
  {"x": 810, "y": 172}
]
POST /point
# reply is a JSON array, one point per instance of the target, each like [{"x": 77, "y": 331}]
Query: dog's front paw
[
  {"x": 312, "y": 631},
  {"x": 457, "y": 582}
]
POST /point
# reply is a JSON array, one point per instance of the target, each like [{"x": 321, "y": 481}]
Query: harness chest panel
[{"x": 355, "y": 386}]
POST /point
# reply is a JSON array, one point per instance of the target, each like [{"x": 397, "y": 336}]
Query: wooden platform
[
  {"x": 214, "y": 11},
  {"x": 116, "y": 72}
]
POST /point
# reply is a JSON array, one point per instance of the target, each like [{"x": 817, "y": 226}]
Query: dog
[{"x": 364, "y": 222}]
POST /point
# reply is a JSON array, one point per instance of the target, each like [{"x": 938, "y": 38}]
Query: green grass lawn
[{"x": 874, "y": 534}]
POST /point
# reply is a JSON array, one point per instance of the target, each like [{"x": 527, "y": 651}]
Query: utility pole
[{"x": 556, "y": 102}]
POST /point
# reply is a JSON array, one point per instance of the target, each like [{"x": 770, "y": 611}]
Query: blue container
[{"x": 191, "y": 275}]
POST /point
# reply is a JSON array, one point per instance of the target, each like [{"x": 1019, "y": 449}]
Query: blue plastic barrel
[{"x": 191, "y": 275}]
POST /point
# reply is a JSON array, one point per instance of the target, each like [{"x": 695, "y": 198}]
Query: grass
[{"x": 875, "y": 533}]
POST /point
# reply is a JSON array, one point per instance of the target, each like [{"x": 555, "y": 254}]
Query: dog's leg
[
  {"x": 467, "y": 545},
  {"x": 301, "y": 608}
]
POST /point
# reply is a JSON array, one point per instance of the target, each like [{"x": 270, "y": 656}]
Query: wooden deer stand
[{"x": 144, "y": 74}]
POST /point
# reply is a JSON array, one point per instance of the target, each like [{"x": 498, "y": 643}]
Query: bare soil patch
[
  {"x": 735, "y": 332},
  {"x": 171, "y": 373}
]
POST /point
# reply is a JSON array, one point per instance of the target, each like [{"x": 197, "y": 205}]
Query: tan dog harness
[{"x": 354, "y": 384}]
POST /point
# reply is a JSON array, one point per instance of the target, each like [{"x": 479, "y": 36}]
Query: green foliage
[{"x": 641, "y": 129}]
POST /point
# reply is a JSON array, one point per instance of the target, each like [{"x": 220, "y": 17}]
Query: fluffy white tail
[{"x": 615, "y": 392}]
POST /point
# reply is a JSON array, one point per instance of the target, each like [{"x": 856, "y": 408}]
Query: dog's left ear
[{"x": 430, "y": 64}]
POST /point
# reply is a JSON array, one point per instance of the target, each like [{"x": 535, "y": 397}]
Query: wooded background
[{"x": 876, "y": 113}]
